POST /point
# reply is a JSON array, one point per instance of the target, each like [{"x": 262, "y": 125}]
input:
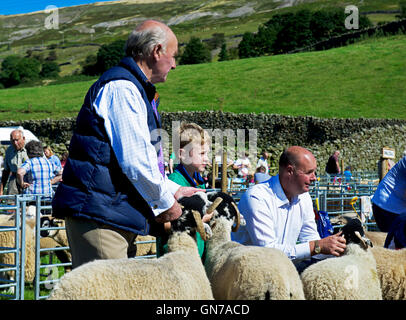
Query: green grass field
[{"x": 366, "y": 79}]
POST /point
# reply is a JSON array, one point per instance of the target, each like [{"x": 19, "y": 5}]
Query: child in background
[{"x": 193, "y": 157}]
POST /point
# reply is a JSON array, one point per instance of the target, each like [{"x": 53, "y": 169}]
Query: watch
[{"x": 317, "y": 248}]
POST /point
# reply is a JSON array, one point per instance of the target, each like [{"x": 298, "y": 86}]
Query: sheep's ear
[
  {"x": 199, "y": 224},
  {"x": 237, "y": 218},
  {"x": 214, "y": 205}
]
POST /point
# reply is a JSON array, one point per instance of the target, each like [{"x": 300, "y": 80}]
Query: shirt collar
[
  {"x": 282, "y": 200},
  {"x": 131, "y": 65}
]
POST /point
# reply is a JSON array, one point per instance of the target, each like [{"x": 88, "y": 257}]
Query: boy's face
[{"x": 195, "y": 156}]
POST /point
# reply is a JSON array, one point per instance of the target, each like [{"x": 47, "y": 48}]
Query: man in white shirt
[
  {"x": 279, "y": 212},
  {"x": 263, "y": 161},
  {"x": 114, "y": 185}
]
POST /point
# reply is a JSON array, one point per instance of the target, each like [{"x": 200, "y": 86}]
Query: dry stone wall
[{"x": 359, "y": 140}]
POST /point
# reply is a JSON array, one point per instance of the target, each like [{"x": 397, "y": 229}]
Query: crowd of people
[
  {"x": 29, "y": 168},
  {"x": 116, "y": 184}
]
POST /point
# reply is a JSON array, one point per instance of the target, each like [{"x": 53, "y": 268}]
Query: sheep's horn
[
  {"x": 214, "y": 205},
  {"x": 363, "y": 243},
  {"x": 237, "y": 218},
  {"x": 199, "y": 224}
]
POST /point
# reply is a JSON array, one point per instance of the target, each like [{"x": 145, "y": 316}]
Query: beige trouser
[{"x": 90, "y": 240}]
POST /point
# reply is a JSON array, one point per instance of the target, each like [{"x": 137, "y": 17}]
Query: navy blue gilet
[{"x": 94, "y": 186}]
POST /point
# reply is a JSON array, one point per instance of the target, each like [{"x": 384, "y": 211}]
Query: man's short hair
[
  {"x": 288, "y": 158},
  {"x": 140, "y": 43},
  {"x": 34, "y": 149}
]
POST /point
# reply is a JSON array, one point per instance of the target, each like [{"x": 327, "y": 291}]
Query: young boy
[{"x": 193, "y": 157}]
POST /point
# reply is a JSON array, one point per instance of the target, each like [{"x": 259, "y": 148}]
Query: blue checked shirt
[
  {"x": 124, "y": 112},
  {"x": 38, "y": 173}
]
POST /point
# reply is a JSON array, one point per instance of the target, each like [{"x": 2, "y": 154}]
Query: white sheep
[
  {"x": 7, "y": 239},
  {"x": 53, "y": 239},
  {"x": 391, "y": 267},
  {"x": 243, "y": 272},
  {"x": 352, "y": 276},
  {"x": 177, "y": 275}
]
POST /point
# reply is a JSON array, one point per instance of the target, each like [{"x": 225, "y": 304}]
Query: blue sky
[{"x": 25, "y": 6}]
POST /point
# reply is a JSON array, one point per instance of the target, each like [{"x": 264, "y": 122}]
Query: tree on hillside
[
  {"x": 216, "y": 41},
  {"x": 50, "y": 69},
  {"x": 402, "y": 8},
  {"x": 107, "y": 56},
  {"x": 223, "y": 55},
  {"x": 110, "y": 55},
  {"x": 16, "y": 70},
  {"x": 246, "y": 47},
  {"x": 195, "y": 52}
]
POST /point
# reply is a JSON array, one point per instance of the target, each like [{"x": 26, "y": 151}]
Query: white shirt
[
  {"x": 274, "y": 222},
  {"x": 124, "y": 112}
]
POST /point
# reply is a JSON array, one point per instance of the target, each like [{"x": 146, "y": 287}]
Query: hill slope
[
  {"x": 362, "y": 80},
  {"x": 105, "y": 22}
]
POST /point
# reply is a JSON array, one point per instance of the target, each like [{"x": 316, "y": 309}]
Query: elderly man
[
  {"x": 114, "y": 185},
  {"x": 15, "y": 156},
  {"x": 279, "y": 212}
]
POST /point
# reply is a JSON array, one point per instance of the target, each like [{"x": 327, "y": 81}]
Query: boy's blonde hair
[{"x": 190, "y": 132}]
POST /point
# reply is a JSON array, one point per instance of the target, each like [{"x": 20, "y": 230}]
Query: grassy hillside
[
  {"x": 362, "y": 80},
  {"x": 108, "y": 21}
]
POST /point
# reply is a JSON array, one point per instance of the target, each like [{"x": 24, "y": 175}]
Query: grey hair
[{"x": 141, "y": 43}]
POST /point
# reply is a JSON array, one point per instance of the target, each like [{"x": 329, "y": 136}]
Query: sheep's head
[
  {"x": 227, "y": 208},
  {"x": 49, "y": 222},
  {"x": 193, "y": 209},
  {"x": 353, "y": 232}
]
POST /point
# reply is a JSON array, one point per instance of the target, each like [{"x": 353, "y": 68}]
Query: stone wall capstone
[{"x": 359, "y": 140}]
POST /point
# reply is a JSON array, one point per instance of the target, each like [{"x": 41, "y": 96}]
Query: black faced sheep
[
  {"x": 352, "y": 276},
  {"x": 177, "y": 275},
  {"x": 246, "y": 272}
]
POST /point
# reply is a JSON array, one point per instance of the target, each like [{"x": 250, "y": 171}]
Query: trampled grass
[{"x": 361, "y": 80}]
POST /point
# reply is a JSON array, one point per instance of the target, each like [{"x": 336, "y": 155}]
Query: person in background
[
  {"x": 243, "y": 166},
  {"x": 15, "y": 156},
  {"x": 279, "y": 212},
  {"x": 389, "y": 199},
  {"x": 333, "y": 165},
  {"x": 261, "y": 175},
  {"x": 193, "y": 151},
  {"x": 263, "y": 161},
  {"x": 37, "y": 174},
  {"x": 114, "y": 185},
  {"x": 348, "y": 174},
  {"x": 52, "y": 157},
  {"x": 64, "y": 157}
]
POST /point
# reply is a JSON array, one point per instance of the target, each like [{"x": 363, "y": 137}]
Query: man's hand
[
  {"x": 186, "y": 192},
  {"x": 171, "y": 214},
  {"x": 334, "y": 244}
]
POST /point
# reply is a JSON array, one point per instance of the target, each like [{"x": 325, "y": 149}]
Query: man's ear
[
  {"x": 157, "y": 51},
  {"x": 290, "y": 169}
]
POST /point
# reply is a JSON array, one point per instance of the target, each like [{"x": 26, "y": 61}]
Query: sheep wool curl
[
  {"x": 178, "y": 274},
  {"x": 352, "y": 276},
  {"x": 391, "y": 267},
  {"x": 247, "y": 272}
]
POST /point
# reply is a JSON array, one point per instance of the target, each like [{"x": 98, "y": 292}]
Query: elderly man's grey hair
[{"x": 141, "y": 43}]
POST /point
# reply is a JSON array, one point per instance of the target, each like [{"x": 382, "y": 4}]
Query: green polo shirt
[{"x": 161, "y": 245}]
